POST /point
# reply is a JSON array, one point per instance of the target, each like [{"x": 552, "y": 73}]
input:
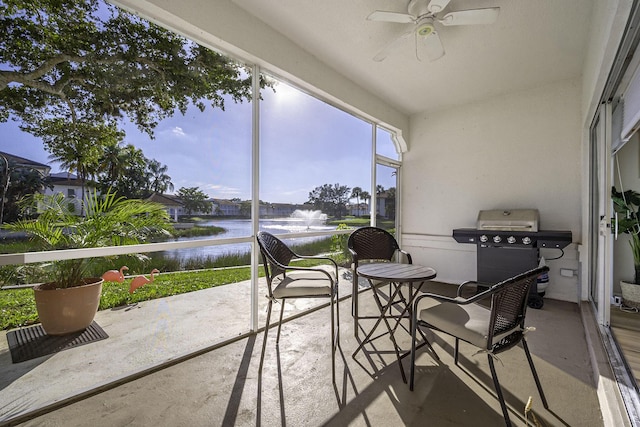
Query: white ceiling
[{"x": 532, "y": 43}]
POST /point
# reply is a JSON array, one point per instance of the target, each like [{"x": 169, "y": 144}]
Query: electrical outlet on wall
[{"x": 566, "y": 272}]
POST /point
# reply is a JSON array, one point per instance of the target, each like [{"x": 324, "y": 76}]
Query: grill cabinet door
[{"x": 497, "y": 263}]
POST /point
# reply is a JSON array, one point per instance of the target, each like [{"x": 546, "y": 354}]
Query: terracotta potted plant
[
  {"x": 70, "y": 300},
  {"x": 627, "y": 206}
]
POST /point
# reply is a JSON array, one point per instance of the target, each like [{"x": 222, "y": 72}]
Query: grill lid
[{"x": 509, "y": 220}]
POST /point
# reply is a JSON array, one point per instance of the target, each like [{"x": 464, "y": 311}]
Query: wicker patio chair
[
  {"x": 493, "y": 329},
  {"x": 287, "y": 282},
  {"x": 369, "y": 244}
]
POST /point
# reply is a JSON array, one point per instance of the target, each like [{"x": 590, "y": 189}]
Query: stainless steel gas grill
[{"x": 509, "y": 243}]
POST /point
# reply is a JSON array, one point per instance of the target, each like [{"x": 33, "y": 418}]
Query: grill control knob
[
  {"x": 511, "y": 239},
  {"x": 526, "y": 240},
  {"x": 484, "y": 238},
  {"x": 497, "y": 239}
]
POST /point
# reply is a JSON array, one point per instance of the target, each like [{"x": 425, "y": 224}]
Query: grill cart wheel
[{"x": 535, "y": 301}]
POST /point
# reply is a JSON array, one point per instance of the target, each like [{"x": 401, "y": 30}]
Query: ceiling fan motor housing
[
  {"x": 423, "y": 15},
  {"x": 425, "y": 29}
]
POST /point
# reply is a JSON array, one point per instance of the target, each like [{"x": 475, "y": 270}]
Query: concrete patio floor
[{"x": 220, "y": 385}]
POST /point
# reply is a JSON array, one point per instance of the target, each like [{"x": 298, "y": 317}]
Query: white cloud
[
  {"x": 222, "y": 191},
  {"x": 178, "y": 131}
]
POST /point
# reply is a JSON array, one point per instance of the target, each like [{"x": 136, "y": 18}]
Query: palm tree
[
  {"x": 390, "y": 205},
  {"x": 78, "y": 156},
  {"x": 365, "y": 196},
  {"x": 159, "y": 181},
  {"x": 77, "y": 145},
  {"x": 110, "y": 221},
  {"x": 132, "y": 182},
  {"x": 356, "y": 192},
  {"x": 112, "y": 164}
]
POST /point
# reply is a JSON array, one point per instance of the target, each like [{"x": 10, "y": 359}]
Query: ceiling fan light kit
[
  {"x": 421, "y": 14},
  {"x": 425, "y": 29}
]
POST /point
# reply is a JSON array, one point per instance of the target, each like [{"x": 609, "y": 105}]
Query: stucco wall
[{"x": 522, "y": 150}]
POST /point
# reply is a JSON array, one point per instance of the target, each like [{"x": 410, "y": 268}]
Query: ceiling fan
[{"x": 423, "y": 15}]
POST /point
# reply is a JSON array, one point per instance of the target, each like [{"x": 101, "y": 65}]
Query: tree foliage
[
  {"x": 157, "y": 177},
  {"x": 73, "y": 72},
  {"x": 78, "y": 148},
  {"x": 194, "y": 200},
  {"x": 330, "y": 199},
  {"x": 356, "y": 193},
  {"x": 364, "y": 195},
  {"x": 88, "y": 61},
  {"x": 16, "y": 183},
  {"x": 390, "y": 203},
  {"x": 126, "y": 170},
  {"x": 109, "y": 221},
  {"x": 245, "y": 208}
]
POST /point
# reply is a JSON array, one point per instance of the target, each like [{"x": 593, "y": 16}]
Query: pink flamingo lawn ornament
[
  {"x": 114, "y": 275},
  {"x": 139, "y": 281}
]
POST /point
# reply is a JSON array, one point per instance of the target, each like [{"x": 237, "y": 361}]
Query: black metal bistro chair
[
  {"x": 285, "y": 281},
  {"x": 369, "y": 244},
  {"x": 493, "y": 330}
]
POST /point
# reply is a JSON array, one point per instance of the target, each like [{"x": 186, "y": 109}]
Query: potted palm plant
[
  {"x": 627, "y": 206},
  {"x": 69, "y": 301}
]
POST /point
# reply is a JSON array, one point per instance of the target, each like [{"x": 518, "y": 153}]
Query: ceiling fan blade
[
  {"x": 391, "y": 46},
  {"x": 432, "y": 46},
  {"x": 471, "y": 17},
  {"x": 400, "y": 18},
  {"x": 437, "y": 6}
]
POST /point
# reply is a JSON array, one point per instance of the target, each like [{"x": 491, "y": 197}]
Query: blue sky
[{"x": 305, "y": 143}]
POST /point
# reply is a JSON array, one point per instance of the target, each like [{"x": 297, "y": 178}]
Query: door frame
[{"x": 601, "y": 256}]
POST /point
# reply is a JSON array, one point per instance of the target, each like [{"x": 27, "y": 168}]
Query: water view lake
[{"x": 304, "y": 221}]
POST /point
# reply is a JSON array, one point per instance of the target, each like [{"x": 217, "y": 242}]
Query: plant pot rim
[{"x": 52, "y": 286}]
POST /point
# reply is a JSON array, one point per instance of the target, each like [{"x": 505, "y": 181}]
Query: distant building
[
  {"x": 70, "y": 186},
  {"x": 358, "y": 209},
  {"x": 21, "y": 162},
  {"x": 382, "y": 199},
  {"x": 65, "y": 183},
  {"x": 173, "y": 205},
  {"x": 226, "y": 207}
]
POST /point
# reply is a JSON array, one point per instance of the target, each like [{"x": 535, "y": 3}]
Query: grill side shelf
[
  {"x": 554, "y": 239},
  {"x": 466, "y": 235},
  {"x": 542, "y": 238}
]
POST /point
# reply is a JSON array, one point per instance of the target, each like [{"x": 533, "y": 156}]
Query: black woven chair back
[
  {"x": 371, "y": 243},
  {"x": 274, "y": 254},
  {"x": 509, "y": 307}
]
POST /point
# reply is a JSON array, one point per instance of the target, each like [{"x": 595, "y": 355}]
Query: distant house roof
[
  {"x": 64, "y": 175},
  {"x": 165, "y": 199},
  {"x": 223, "y": 202},
  {"x": 21, "y": 161},
  {"x": 65, "y": 178}
]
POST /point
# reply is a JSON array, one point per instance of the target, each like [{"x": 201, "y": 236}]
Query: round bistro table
[{"x": 396, "y": 275}]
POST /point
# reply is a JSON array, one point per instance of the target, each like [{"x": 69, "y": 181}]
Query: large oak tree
[
  {"x": 331, "y": 199},
  {"x": 73, "y": 71}
]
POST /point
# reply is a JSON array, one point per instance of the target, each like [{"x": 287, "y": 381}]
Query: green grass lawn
[
  {"x": 18, "y": 308},
  {"x": 352, "y": 221}
]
